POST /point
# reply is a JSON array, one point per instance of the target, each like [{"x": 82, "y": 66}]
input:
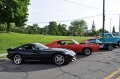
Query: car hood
[
  {"x": 117, "y": 37},
  {"x": 66, "y": 51}
]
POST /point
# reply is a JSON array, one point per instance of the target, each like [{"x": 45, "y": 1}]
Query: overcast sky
[{"x": 65, "y": 11}]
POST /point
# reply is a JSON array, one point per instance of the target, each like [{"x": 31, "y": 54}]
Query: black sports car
[
  {"x": 37, "y": 51},
  {"x": 103, "y": 45}
]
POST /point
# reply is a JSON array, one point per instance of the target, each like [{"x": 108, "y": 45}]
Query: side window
[
  {"x": 108, "y": 36},
  {"x": 27, "y": 47},
  {"x": 63, "y": 43},
  {"x": 66, "y": 42},
  {"x": 92, "y": 41}
]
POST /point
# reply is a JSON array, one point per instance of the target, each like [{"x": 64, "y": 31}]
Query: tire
[
  {"x": 59, "y": 59},
  {"x": 87, "y": 51},
  {"x": 110, "y": 47},
  {"x": 118, "y": 43},
  {"x": 17, "y": 59}
]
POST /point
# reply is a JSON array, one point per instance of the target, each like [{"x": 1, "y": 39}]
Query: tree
[
  {"x": 113, "y": 31},
  {"x": 94, "y": 33},
  {"x": 53, "y": 28},
  {"x": 33, "y": 29},
  {"x": 2, "y": 27},
  {"x": 13, "y": 11},
  {"x": 45, "y": 30},
  {"x": 21, "y": 14},
  {"x": 77, "y": 27},
  {"x": 100, "y": 30},
  {"x": 62, "y": 29}
]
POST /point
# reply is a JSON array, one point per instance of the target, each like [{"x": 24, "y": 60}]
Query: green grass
[{"x": 8, "y": 40}]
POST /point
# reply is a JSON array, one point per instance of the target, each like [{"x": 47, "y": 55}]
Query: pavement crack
[
  {"x": 59, "y": 75},
  {"x": 26, "y": 75},
  {"x": 69, "y": 73},
  {"x": 105, "y": 62},
  {"x": 116, "y": 60}
]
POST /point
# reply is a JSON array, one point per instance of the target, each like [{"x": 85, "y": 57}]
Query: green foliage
[
  {"x": 8, "y": 40},
  {"x": 53, "y": 28},
  {"x": 21, "y": 14},
  {"x": 100, "y": 30},
  {"x": 62, "y": 29},
  {"x": 94, "y": 33},
  {"x": 2, "y": 27},
  {"x": 97, "y": 33},
  {"x": 77, "y": 27},
  {"x": 13, "y": 11}
]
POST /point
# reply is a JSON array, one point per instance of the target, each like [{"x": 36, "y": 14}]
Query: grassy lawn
[{"x": 8, "y": 40}]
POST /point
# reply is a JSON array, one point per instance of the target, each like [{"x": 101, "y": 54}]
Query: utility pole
[
  {"x": 110, "y": 25},
  {"x": 103, "y": 19},
  {"x": 119, "y": 24}
]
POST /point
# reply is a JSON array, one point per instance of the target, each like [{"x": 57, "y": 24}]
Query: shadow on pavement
[{"x": 8, "y": 65}]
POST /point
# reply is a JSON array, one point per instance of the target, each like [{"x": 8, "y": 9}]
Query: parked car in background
[
  {"x": 71, "y": 44},
  {"x": 103, "y": 45},
  {"x": 110, "y": 38},
  {"x": 37, "y": 51}
]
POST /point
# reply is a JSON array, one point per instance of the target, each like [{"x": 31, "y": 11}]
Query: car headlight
[{"x": 70, "y": 53}]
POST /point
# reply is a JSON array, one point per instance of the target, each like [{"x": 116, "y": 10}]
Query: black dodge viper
[{"x": 37, "y": 51}]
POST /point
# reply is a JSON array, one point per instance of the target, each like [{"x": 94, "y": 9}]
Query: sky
[{"x": 65, "y": 11}]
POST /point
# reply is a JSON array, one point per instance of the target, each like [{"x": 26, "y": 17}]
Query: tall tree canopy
[
  {"x": 13, "y": 11},
  {"x": 53, "y": 28},
  {"x": 77, "y": 27},
  {"x": 62, "y": 29}
]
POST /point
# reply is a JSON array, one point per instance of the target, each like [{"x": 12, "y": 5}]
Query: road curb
[{"x": 2, "y": 55}]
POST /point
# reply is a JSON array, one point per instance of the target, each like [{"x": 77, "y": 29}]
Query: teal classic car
[{"x": 110, "y": 38}]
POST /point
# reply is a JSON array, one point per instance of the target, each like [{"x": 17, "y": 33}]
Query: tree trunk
[{"x": 8, "y": 26}]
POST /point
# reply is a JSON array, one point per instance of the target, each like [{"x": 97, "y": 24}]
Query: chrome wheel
[
  {"x": 87, "y": 51},
  {"x": 17, "y": 59},
  {"x": 59, "y": 59}
]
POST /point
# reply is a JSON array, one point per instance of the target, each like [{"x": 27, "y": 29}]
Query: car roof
[
  {"x": 31, "y": 44},
  {"x": 35, "y": 43},
  {"x": 65, "y": 40}
]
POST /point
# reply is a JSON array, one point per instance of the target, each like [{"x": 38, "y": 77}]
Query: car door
[
  {"x": 108, "y": 38},
  {"x": 29, "y": 53},
  {"x": 70, "y": 45}
]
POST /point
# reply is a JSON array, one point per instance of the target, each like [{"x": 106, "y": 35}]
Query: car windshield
[
  {"x": 40, "y": 46},
  {"x": 95, "y": 41},
  {"x": 75, "y": 42},
  {"x": 98, "y": 41}
]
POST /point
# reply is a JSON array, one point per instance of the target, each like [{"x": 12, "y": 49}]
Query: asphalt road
[{"x": 100, "y": 65}]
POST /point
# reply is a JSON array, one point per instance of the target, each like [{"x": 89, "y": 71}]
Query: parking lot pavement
[{"x": 100, "y": 65}]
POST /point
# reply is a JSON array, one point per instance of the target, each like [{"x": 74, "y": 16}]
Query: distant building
[
  {"x": 87, "y": 31},
  {"x": 93, "y": 26}
]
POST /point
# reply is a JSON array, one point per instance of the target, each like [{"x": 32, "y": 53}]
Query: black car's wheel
[
  {"x": 110, "y": 47},
  {"x": 87, "y": 51},
  {"x": 17, "y": 59},
  {"x": 59, "y": 59}
]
